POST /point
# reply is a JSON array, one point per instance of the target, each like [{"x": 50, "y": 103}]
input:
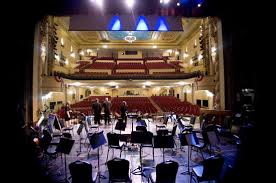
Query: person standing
[
  {"x": 106, "y": 106},
  {"x": 123, "y": 110},
  {"x": 97, "y": 108}
]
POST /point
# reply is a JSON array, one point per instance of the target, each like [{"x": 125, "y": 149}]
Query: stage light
[
  {"x": 142, "y": 24},
  {"x": 98, "y": 2},
  {"x": 177, "y": 4},
  {"x": 199, "y": 5},
  {"x": 115, "y": 24},
  {"x": 164, "y": 1},
  {"x": 161, "y": 24},
  {"x": 129, "y": 3}
]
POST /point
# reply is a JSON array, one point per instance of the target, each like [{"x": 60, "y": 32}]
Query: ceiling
[{"x": 144, "y": 39}]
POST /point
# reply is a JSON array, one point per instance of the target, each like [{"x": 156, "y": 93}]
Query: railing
[{"x": 129, "y": 76}]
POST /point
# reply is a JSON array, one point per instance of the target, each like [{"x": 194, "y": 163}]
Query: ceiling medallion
[{"x": 130, "y": 38}]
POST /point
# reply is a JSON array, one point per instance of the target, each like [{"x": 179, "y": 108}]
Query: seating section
[
  {"x": 82, "y": 63},
  {"x": 142, "y": 104},
  {"x": 130, "y": 66},
  {"x": 172, "y": 104},
  {"x": 85, "y": 106},
  {"x": 153, "y": 58},
  {"x": 101, "y": 65},
  {"x": 159, "y": 65},
  {"x": 176, "y": 64}
]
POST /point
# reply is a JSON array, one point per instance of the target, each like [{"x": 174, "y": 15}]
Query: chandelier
[{"x": 130, "y": 38}]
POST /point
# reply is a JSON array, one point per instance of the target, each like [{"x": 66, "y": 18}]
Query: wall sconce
[
  {"x": 62, "y": 42},
  {"x": 72, "y": 54},
  {"x": 195, "y": 44}
]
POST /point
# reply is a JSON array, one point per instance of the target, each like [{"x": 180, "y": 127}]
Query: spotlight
[
  {"x": 177, "y": 4},
  {"x": 164, "y": 1},
  {"x": 199, "y": 5},
  {"x": 129, "y": 3},
  {"x": 98, "y": 2}
]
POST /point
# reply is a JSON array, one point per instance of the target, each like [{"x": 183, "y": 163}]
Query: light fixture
[
  {"x": 71, "y": 49},
  {"x": 62, "y": 42},
  {"x": 181, "y": 83},
  {"x": 209, "y": 94},
  {"x": 176, "y": 52},
  {"x": 199, "y": 5},
  {"x": 82, "y": 52},
  {"x": 129, "y": 3},
  {"x": 72, "y": 54},
  {"x": 154, "y": 46},
  {"x": 112, "y": 83},
  {"x": 105, "y": 46},
  {"x": 200, "y": 57},
  {"x": 177, "y": 4},
  {"x": 130, "y": 38},
  {"x": 76, "y": 84},
  {"x": 57, "y": 57},
  {"x": 148, "y": 83},
  {"x": 88, "y": 51},
  {"x": 66, "y": 61},
  {"x": 185, "y": 55},
  {"x": 191, "y": 61}
]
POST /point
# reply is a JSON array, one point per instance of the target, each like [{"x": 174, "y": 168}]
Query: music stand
[
  {"x": 97, "y": 140},
  {"x": 163, "y": 141},
  {"x": 191, "y": 141},
  {"x": 120, "y": 125},
  {"x": 139, "y": 137},
  {"x": 65, "y": 145},
  {"x": 79, "y": 130},
  {"x": 213, "y": 140},
  {"x": 132, "y": 116}
]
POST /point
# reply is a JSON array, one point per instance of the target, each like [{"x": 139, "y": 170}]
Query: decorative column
[
  {"x": 215, "y": 62},
  {"x": 77, "y": 94},
  {"x": 65, "y": 93}
]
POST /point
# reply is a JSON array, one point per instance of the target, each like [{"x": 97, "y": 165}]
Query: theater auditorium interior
[{"x": 134, "y": 91}]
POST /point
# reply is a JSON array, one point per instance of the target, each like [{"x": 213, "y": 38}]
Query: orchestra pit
[{"x": 140, "y": 98}]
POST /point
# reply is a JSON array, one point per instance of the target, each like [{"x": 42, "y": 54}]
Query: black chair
[
  {"x": 49, "y": 148},
  {"x": 172, "y": 133},
  {"x": 165, "y": 172},
  {"x": 81, "y": 172},
  {"x": 209, "y": 170},
  {"x": 148, "y": 142},
  {"x": 118, "y": 170},
  {"x": 114, "y": 143},
  {"x": 141, "y": 128}
]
